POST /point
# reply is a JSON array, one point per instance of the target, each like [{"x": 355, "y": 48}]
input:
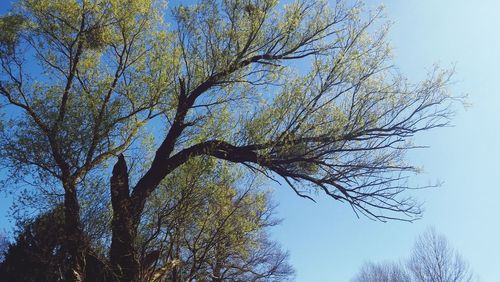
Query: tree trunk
[
  {"x": 175, "y": 268},
  {"x": 75, "y": 240},
  {"x": 217, "y": 275},
  {"x": 124, "y": 230},
  {"x": 217, "y": 269}
]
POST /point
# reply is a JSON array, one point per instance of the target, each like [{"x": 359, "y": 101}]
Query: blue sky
[{"x": 328, "y": 243}]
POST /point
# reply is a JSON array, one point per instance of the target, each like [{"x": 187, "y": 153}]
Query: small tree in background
[
  {"x": 382, "y": 272},
  {"x": 37, "y": 252},
  {"x": 432, "y": 260},
  {"x": 4, "y": 245}
]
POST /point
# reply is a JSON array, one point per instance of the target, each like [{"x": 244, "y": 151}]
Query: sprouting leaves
[
  {"x": 11, "y": 26},
  {"x": 304, "y": 91},
  {"x": 208, "y": 211}
]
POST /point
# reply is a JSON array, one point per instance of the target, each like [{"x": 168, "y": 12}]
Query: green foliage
[
  {"x": 304, "y": 92},
  {"x": 38, "y": 253},
  {"x": 108, "y": 68},
  {"x": 11, "y": 26},
  {"x": 203, "y": 226},
  {"x": 112, "y": 51}
]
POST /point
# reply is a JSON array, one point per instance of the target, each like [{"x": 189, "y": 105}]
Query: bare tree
[
  {"x": 434, "y": 260},
  {"x": 382, "y": 272}
]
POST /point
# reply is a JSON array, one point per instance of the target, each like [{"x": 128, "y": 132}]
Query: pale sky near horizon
[{"x": 327, "y": 243}]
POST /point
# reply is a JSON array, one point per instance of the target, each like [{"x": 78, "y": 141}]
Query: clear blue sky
[{"x": 328, "y": 243}]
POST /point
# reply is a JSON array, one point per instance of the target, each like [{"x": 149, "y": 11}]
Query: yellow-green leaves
[
  {"x": 294, "y": 17},
  {"x": 304, "y": 90},
  {"x": 214, "y": 214},
  {"x": 58, "y": 19},
  {"x": 10, "y": 26}
]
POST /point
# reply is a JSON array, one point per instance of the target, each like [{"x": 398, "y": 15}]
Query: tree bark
[
  {"x": 217, "y": 272},
  {"x": 75, "y": 239},
  {"x": 123, "y": 255},
  {"x": 217, "y": 269}
]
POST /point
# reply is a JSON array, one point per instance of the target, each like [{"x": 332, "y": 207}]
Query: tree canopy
[{"x": 303, "y": 93}]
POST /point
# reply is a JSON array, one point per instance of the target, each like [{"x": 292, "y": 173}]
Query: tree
[
  {"x": 389, "y": 272},
  {"x": 87, "y": 52},
  {"x": 301, "y": 92},
  {"x": 4, "y": 244},
  {"x": 432, "y": 260},
  {"x": 203, "y": 228},
  {"x": 38, "y": 254}
]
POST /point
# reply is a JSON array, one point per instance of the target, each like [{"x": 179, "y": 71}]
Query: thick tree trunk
[
  {"x": 75, "y": 239},
  {"x": 123, "y": 254}
]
